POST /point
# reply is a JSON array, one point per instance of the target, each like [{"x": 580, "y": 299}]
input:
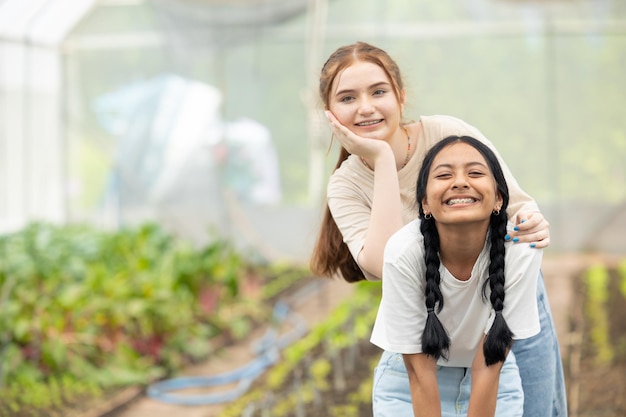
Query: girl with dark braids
[{"x": 455, "y": 295}]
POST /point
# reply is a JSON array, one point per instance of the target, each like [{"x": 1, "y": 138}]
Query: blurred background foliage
[{"x": 85, "y": 313}]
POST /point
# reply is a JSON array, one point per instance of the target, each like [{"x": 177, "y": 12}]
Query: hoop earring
[
  {"x": 496, "y": 212},
  {"x": 428, "y": 216}
]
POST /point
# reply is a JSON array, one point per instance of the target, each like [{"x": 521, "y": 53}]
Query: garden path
[{"x": 558, "y": 269}]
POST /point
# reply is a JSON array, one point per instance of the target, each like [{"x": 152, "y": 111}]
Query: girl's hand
[
  {"x": 366, "y": 148},
  {"x": 531, "y": 228}
]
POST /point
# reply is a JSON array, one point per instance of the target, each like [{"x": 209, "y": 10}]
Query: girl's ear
[
  {"x": 498, "y": 204},
  {"x": 425, "y": 207}
]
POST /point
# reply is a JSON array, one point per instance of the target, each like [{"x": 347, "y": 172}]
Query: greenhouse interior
[
  {"x": 154, "y": 122},
  {"x": 114, "y": 112}
]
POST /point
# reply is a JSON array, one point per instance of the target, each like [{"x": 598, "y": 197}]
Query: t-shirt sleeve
[
  {"x": 522, "y": 269},
  {"x": 401, "y": 314}
]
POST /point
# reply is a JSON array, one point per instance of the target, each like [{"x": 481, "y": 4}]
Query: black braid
[
  {"x": 435, "y": 339},
  {"x": 499, "y": 338}
]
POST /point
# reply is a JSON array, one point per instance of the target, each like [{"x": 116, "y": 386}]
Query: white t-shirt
[{"x": 466, "y": 315}]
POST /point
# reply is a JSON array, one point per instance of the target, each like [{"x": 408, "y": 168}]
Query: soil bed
[{"x": 598, "y": 382}]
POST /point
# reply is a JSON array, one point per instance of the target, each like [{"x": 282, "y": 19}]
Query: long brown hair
[{"x": 331, "y": 256}]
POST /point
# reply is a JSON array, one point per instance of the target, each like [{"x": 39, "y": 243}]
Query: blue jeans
[
  {"x": 538, "y": 359},
  {"x": 393, "y": 399},
  {"x": 541, "y": 368}
]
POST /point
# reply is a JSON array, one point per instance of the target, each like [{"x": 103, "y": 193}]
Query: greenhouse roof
[{"x": 40, "y": 22}]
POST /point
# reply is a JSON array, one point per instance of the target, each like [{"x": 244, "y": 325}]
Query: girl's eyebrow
[
  {"x": 351, "y": 90},
  {"x": 467, "y": 165}
]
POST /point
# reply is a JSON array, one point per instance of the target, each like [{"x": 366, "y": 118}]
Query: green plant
[
  {"x": 596, "y": 280},
  {"x": 110, "y": 309}
]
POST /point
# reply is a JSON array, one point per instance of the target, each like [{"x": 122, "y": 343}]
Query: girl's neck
[
  {"x": 402, "y": 145},
  {"x": 404, "y": 149},
  {"x": 459, "y": 248},
  {"x": 414, "y": 131}
]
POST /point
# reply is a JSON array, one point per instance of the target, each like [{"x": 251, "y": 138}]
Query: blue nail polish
[
  {"x": 516, "y": 239},
  {"x": 523, "y": 220},
  {"x": 507, "y": 238},
  {"x": 516, "y": 228},
  {"x": 532, "y": 245}
]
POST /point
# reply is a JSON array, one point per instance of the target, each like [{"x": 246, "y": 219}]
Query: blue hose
[{"x": 267, "y": 350}]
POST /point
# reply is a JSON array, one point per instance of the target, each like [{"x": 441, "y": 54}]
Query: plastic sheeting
[{"x": 173, "y": 152}]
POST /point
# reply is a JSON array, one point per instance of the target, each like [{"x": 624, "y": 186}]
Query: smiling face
[
  {"x": 363, "y": 99},
  {"x": 460, "y": 187}
]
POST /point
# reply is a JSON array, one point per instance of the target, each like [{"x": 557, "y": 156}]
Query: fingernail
[
  {"x": 507, "y": 238},
  {"x": 517, "y": 228},
  {"x": 523, "y": 220},
  {"x": 532, "y": 245},
  {"x": 326, "y": 114},
  {"x": 516, "y": 239}
]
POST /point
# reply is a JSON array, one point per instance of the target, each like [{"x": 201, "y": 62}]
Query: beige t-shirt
[{"x": 350, "y": 190}]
